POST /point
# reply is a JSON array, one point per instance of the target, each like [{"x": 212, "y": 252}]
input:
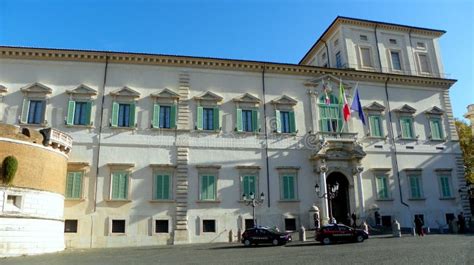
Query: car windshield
[{"x": 273, "y": 230}]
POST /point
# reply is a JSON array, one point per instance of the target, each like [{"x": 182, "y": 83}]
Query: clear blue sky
[{"x": 278, "y": 31}]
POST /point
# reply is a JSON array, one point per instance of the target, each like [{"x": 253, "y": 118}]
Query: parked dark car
[
  {"x": 340, "y": 233},
  {"x": 258, "y": 235}
]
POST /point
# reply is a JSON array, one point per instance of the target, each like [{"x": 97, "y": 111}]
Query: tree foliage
[
  {"x": 466, "y": 141},
  {"x": 9, "y": 166}
]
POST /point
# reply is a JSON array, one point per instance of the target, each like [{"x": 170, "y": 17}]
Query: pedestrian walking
[
  {"x": 419, "y": 226},
  {"x": 461, "y": 223},
  {"x": 354, "y": 219}
]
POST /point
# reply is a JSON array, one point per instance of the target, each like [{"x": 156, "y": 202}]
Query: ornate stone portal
[{"x": 339, "y": 153}]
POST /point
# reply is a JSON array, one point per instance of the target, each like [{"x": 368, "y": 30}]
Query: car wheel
[
  {"x": 360, "y": 238},
  {"x": 275, "y": 242},
  {"x": 247, "y": 243},
  {"x": 326, "y": 241}
]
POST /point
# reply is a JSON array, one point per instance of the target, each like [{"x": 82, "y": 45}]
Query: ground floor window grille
[
  {"x": 290, "y": 224},
  {"x": 209, "y": 226},
  {"x": 118, "y": 226},
  {"x": 70, "y": 226}
]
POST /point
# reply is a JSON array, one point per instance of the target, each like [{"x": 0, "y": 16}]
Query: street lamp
[
  {"x": 252, "y": 201},
  {"x": 330, "y": 195}
]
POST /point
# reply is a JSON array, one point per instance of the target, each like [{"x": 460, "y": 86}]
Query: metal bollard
[
  {"x": 239, "y": 234},
  {"x": 302, "y": 234},
  {"x": 413, "y": 231}
]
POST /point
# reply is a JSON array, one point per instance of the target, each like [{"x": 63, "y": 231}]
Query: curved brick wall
[{"x": 39, "y": 167}]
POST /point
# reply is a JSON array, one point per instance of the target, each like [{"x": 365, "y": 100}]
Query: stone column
[
  {"x": 313, "y": 98},
  {"x": 361, "y": 191},
  {"x": 324, "y": 190}
]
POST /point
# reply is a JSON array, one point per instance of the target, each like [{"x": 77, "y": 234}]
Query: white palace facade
[{"x": 164, "y": 146}]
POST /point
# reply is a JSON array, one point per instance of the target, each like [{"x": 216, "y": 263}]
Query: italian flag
[{"x": 346, "y": 111}]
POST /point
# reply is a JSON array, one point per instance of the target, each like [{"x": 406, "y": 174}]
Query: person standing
[
  {"x": 354, "y": 219},
  {"x": 419, "y": 226},
  {"x": 461, "y": 223}
]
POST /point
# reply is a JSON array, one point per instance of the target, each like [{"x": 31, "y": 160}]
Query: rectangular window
[
  {"x": 165, "y": 117},
  {"x": 124, "y": 115},
  {"x": 450, "y": 218},
  {"x": 161, "y": 226},
  {"x": 406, "y": 125},
  {"x": 393, "y": 41},
  {"x": 209, "y": 226},
  {"x": 424, "y": 63},
  {"x": 118, "y": 226},
  {"x": 119, "y": 185},
  {"x": 415, "y": 187},
  {"x": 208, "y": 188},
  {"x": 338, "y": 60},
  {"x": 288, "y": 187},
  {"x": 396, "y": 63},
  {"x": 208, "y": 119},
  {"x": 285, "y": 121},
  {"x": 162, "y": 187},
  {"x": 290, "y": 224},
  {"x": 420, "y": 45},
  {"x": 249, "y": 223},
  {"x": 247, "y": 121},
  {"x": 35, "y": 112},
  {"x": 74, "y": 185},
  {"x": 365, "y": 56},
  {"x": 13, "y": 203},
  {"x": 363, "y": 37},
  {"x": 80, "y": 113},
  {"x": 249, "y": 185},
  {"x": 445, "y": 186},
  {"x": 436, "y": 129},
  {"x": 70, "y": 226},
  {"x": 375, "y": 126},
  {"x": 382, "y": 187}
]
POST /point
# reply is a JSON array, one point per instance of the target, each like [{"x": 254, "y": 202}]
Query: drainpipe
[
  {"x": 378, "y": 51},
  {"x": 327, "y": 53},
  {"x": 100, "y": 129},
  {"x": 394, "y": 146},
  {"x": 265, "y": 135}
]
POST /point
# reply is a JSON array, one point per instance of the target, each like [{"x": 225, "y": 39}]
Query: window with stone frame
[
  {"x": 415, "y": 184},
  {"x": 208, "y": 182},
  {"x": 79, "y": 106},
  {"x": 445, "y": 183},
  {"x": 247, "y": 113},
  {"x": 375, "y": 113},
  {"x": 406, "y": 122},
  {"x": 123, "y": 111},
  {"x": 288, "y": 183},
  {"x": 208, "y": 117},
  {"x": 35, "y": 99},
  {"x": 434, "y": 116},
  {"x": 120, "y": 178},
  {"x": 162, "y": 181},
  {"x": 165, "y": 109},
  {"x": 285, "y": 118},
  {"x": 249, "y": 179}
]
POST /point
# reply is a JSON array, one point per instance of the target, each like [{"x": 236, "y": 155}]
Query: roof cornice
[{"x": 217, "y": 64}]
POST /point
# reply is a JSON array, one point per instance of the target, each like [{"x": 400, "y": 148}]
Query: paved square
[{"x": 432, "y": 249}]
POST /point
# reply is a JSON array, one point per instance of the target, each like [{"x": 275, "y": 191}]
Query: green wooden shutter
[
  {"x": 71, "y": 107},
  {"x": 255, "y": 120},
  {"x": 278, "y": 121},
  {"x": 173, "y": 111},
  {"x": 211, "y": 188},
  {"x": 323, "y": 124},
  {"x": 436, "y": 132},
  {"x": 115, "y": 113},
  {"x": 445, "y": 189},
  {"x": 88, "y": 113},
  {"x": 77, "y": 187},
  {"x": 115, "y": 185},
  {"x": 291, "y": 187},
  {"x": 166, "y": 187},
  {"x": 292, "y": 122},
  {"x": 216, "y": 118},
  {"x": 200, "y": 110},
  {"x": 285, "y": 187},
  {"x": 415, "y": 187},
  {"x": 238, "y": 119},
  {"x": 132, "y": 114},
  {"x": 159, "y": 187},
  {"x": 251, "y": 184},
  {"x": 155, "y": 123},
  {"x": 24, "y": 110},
  {"x": 69, "y": 184},
  {"x": 123, "y": 185}
]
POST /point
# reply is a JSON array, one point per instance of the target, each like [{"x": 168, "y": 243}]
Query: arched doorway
[{"x": 339, "y": 206}]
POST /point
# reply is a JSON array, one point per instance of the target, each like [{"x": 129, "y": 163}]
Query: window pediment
[
  {"x": 284, "y": 100},
  {"x": 209, "y": 96},
  {"x": 125, "y": 92},
  {"x": 434, "y": 111},
  {"x": 166, "y": 93},
  {"x": 37, "y": 88},
  {"x": 375, "y": 107},
  {"x": 247, "y": 98},
  {"x": 406, "y": 109},
  {"x": 82, "y": 90}
]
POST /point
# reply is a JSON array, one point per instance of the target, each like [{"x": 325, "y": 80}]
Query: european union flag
[{"x": 356, "y": 106}]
